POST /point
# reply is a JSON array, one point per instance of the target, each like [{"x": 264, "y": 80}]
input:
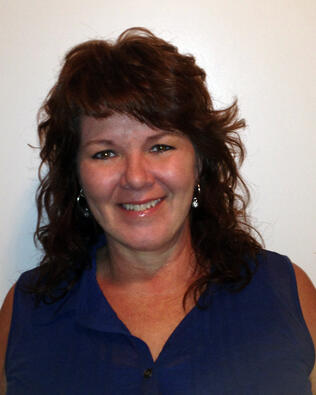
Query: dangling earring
[
  {"x": 195, "y": 200},
  {"x": 82, "y": 204}
]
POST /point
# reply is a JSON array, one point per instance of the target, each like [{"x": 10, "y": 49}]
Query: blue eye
[
  {"x": 161, "y": 148},
  {"x": 104, "y": 155}
]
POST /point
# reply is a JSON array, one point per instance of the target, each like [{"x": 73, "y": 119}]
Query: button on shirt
[{"x": 251, "y": 342}]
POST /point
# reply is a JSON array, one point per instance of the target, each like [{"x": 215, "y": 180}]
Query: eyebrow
[
  {"x": 162, "y": 134},
  {"x": 149, "y": 139},
  {"x": 98, "y": 142}
]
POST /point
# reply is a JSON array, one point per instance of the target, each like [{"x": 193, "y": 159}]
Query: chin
[
  {"x": 149, "y": 238},
  {"x": 146, "y": 245},
  {"x": 151, "y": 241}
]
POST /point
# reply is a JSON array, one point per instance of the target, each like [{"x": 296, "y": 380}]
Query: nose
[{"x": 137, "y": 172}]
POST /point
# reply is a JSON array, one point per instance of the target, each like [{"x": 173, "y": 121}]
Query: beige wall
[{"x": 262, "y": 52}]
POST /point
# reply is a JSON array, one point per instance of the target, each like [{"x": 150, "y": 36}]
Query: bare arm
[
  {"x": 307, "y": 296},
  {"x": 5, "y": 323}
]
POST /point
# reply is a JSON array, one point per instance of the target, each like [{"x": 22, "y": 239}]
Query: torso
[{"x": 89, "y": 346}]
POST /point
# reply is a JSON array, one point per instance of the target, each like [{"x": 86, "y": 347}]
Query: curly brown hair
[{"x": 147, "y": 78}]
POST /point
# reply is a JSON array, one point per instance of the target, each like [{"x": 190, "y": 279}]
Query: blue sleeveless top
[{"x": 247, "y": 343}]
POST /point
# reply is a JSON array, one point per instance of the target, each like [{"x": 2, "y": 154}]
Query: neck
[{"x": 167, "y": 271}]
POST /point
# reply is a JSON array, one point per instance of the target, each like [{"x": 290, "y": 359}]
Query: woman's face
[{"x": 138, "y": 181}]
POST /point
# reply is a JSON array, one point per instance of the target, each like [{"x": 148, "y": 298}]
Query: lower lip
[{"x": 143, "y": 213}]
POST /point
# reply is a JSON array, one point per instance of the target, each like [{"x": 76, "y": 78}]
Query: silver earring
[
  {"x": 195, "y": 200},
  {"x": 82, "y": 204}
]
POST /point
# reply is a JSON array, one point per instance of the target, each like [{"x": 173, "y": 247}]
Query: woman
[{"x": 151, "y": 280}]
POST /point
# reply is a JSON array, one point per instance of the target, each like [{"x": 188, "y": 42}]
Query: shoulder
[
  {"x": 272, "y": 261},
  {"x": 5, "y": 323},
  {"x": 285, "y": 275},
  {"x": 277, "y": 271},
  {"x": 307, "y": 293},
  {"x": 307, "y": 297},
  {"x": 271, "y": 258},
  {"x": 294, "y": 288},
  {"x": 6, "y": 317}
]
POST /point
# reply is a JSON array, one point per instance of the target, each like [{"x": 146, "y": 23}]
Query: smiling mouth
[{"x": 141, "y": 207}]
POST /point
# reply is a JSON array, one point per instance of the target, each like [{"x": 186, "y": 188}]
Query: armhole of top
[
  {"x": 12, "y": 323},
  {"x": 298, "y": 304},
  {"x": 295, "y": 290}
]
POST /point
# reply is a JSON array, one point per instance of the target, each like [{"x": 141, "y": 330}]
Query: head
[{"x": 145, "y": 78}]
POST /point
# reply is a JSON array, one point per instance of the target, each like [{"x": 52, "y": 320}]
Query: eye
[
  {"x": 104, "y": 155},
  {"x": 161, "y": 148}
]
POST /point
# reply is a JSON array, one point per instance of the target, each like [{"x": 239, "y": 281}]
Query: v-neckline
[{"x": 110, "y": 321}]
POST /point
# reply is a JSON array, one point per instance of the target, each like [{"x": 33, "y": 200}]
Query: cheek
[
  {"x": 95, "y": 180},
  {"x": 181, "y": 175}
]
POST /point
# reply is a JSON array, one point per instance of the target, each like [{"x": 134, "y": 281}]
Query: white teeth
[{"x": 141, "y": 207}]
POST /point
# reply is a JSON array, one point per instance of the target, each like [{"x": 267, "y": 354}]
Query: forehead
[{"x": 118, "y": 126}]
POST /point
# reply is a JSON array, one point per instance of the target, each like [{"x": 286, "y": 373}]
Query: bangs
[{"x": 129, "y": 77}]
